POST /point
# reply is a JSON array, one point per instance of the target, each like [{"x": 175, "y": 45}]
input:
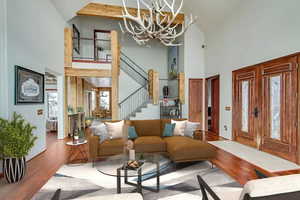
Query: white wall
[
  {"x": 193, "y": 60},
  {"x": 36, "y": 41},
  {"x": 257, "y": 31},
  {"x": 3, "y": 59}
]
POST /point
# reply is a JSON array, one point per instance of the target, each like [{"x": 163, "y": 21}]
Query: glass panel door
[
  {"x": 245, "y": 106},
  {"x": 275, "y": 99}
]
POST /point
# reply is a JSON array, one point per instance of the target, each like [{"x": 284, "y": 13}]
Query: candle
[{"x": 132, "y": 154}]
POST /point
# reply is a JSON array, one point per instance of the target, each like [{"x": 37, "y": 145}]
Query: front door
[
  {"x": 279, "y": 108},
  {"x": 245, "y": 93},
  {"x": 265, "y": 106}
]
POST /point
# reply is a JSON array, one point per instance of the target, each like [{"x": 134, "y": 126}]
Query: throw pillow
[
  {"x": 169, "y": 129},
  {"x": 132, "y": 133},
  {"x": 101, "y": 131},
  {"x": 179, "y": 128},
  {"x": 96, "y": 123},
  {"x": 115, "y": 130},
  {"x": 190, "y": 128}
]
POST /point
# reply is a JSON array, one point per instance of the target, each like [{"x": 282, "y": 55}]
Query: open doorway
[
  {"x": 51, "y": 108},
  {"x": 212, "y": 107}
]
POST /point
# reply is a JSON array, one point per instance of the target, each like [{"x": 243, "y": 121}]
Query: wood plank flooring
[{"x": 43, "y": 167}]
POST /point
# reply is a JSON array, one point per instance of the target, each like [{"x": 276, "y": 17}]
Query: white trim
[
  {"x": 4, "y": 107},
  {"x": 60, "y": 117}
]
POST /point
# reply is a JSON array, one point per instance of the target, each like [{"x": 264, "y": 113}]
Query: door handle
[{"x": 256, "y": 112}]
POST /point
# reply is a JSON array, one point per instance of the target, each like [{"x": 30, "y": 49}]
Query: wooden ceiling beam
[
  {"x": 115, "y": 12},
  {"x": 75, "y": 72}
]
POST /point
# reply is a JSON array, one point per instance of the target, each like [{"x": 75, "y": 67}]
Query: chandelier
[{"x": 158, "y": 23}]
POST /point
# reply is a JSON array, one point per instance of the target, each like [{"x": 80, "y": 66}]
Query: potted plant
[{"x": 16, "y": 140}]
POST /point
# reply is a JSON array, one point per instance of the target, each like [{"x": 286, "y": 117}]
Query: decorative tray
[{"x": 133, "y": 165}]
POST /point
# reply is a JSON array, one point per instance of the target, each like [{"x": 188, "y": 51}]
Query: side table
[{"x": 77, "y": 146}]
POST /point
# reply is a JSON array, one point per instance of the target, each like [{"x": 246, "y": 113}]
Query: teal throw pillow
[
  {"x": 169, "y": 129},
  {"x": 132, "y": 133}
]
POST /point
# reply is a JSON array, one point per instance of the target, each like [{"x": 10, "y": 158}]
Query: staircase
[{"x": 139, "y": 99}]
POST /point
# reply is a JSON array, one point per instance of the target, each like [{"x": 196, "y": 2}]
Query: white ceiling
[
  {"x": 210, "y": 13},
  {"x": 99, "y": 82}
]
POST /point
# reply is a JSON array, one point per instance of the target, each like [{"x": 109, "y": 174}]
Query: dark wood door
[
  {"x": 245, "y": 106},
  {"x": 195, "y": 100},
  {"x": 279, "y": 107},
  {"x": 215, "y": 104}
]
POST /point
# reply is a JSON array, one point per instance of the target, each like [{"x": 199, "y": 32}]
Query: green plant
[
  {"x": 80, "y": 109},
  {"x": 16, "y": 137},
  {"x": 70, "y": 110}
]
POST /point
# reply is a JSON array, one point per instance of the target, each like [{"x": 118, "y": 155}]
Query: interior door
[
  {"x": 195, "y": 100},
  {"x": 279, "y": 108},
  {"x": 215, "y": 107},
  {"x": 245, "y": 106}
]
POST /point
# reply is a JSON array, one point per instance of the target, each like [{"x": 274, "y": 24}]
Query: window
[
  {"x": 52, "y": 105},
  {"x": 245, "y": 106}
]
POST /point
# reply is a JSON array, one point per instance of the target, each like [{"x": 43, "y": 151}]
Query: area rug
[
  {"x": 177, "y": 182},
  {"x": 261, "y": 159}
]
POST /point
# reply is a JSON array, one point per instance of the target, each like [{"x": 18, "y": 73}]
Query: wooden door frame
[
  {"x": 206, "y": 102},
  {"x": 189, "y": 86}
]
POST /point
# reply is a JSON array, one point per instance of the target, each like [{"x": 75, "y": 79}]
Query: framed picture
[
  {"x": 29, "y": 86},
  {"x": 76, "y": 39}
]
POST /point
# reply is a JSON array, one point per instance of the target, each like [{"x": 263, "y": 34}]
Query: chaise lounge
[{"x": 150, "y": 140}]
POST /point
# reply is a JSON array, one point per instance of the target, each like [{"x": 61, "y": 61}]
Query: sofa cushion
[
  {"x": 115, "y": 129},
  {"x": 182, "y": 148},
  {"x": 179, "y": 128},
  {"x": 147, "y": 127},
  {"x": 111, "y": 147},
  {"x": 169, "y": 129},
  {"x": 163, "y": 122},
  {"x": 149, "y": 144},
  {"x": 132, "y": 133}
]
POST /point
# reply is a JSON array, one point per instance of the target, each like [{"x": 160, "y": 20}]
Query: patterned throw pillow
[
  {"x": 179, "y": 128},
  {"x": 169, "y": 129},
  {"x": 101, "y": 131},
  {"x": 132, "y": 133}
]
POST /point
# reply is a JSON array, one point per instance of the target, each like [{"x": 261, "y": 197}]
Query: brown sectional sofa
[{"x": 150, "y": 140}]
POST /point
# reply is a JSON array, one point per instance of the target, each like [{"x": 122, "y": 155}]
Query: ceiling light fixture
[{"x": 158, "y": 23}]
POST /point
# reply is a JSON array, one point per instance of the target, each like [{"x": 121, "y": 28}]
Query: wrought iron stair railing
[{"x": 140, "y": 97}]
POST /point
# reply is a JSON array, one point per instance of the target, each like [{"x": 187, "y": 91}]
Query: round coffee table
[
  {"x": 154, "y": 164},
  {"x": 77, "y": 146}
]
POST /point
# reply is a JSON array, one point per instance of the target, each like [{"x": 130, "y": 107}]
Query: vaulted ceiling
[{"x": 210, "y": 13}]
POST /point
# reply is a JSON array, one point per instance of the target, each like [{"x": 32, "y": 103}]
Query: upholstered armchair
[{"x": 273, "y": 188}]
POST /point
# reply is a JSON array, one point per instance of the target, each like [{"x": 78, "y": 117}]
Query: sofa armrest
[
  {"x": 93, "y": 142},
  {"x": 198, "y": 135},
  {"x": 272, "y": 186}
]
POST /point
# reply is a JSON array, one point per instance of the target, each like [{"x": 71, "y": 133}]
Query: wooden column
[
  {"x": 181, "y": 87},
  {"x": 97, "y": 100},
  {"x": 115, "y": 50},
  {"x": 80, "y": 93},
  {"x": 68, "y": 47},
  {"x": 153, "y": 77}
]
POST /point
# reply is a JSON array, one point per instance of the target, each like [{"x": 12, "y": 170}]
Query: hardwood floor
[{"x": 43, "y": 167}]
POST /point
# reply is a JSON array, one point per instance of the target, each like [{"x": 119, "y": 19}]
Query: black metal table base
[{"x": 138, "y": 185}]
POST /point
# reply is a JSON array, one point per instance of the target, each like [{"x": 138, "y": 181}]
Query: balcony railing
[{"x": 92, "y": 50}]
